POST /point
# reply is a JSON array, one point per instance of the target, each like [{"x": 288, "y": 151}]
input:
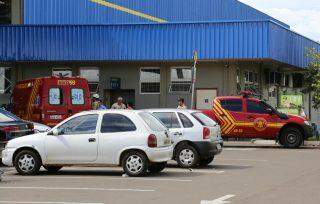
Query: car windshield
[
  {"x": 203, "y": 119},
  {"x": 6, "y": 116},
  {"x": 152, "y": 122}
]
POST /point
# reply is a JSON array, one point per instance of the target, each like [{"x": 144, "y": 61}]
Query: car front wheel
[
  {"x": 187, "y": 156},
  {"x": 27, "y": 162},
  {"x": 291, "y": 138},
  {"x": 135, "y": 164}
]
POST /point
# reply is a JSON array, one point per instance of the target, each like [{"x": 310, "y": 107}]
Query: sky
[{"x": 302, "y": 15}]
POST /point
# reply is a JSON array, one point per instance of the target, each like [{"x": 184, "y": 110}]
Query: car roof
[
  {"x": 121, "y": 111},
  {"x": 170, "y": 110}
]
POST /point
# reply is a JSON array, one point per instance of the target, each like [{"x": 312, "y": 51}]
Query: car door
[
  {"x": 77, "y": 141},
  {"x": 261, "y": 123},
  {"x": 171, "y": 121},
  {"x": 116, "y": 133},
  {"x": 230, "y": 116}
]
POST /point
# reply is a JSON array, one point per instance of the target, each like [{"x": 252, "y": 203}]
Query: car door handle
[
  {"x": 177, "y": 134},
  {"x": 92, "y": 139}
]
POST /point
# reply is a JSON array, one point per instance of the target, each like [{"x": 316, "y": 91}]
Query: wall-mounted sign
[{"x": 115, "y": 83}]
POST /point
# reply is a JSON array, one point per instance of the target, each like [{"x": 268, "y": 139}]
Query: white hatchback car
[
  {"x": 135, "y": 140},
  {"x": 197, "y": 138}
]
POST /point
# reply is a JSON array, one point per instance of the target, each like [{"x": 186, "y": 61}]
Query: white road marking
[
  {"x": 221, "y": 200},
  {"x": 253, "y": 160},
  {"x": 239, "y": 149},
  {"x": 94, "y": 177},
  {"x": 44, "y": 202},
  {"x": 86, "y": 189},
  {"x": 207, "y": 171}
]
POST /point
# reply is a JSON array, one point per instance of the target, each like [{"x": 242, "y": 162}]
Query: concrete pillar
[
  {"x": 229, "y": 80},
  {"x": 164, "y": 82}
]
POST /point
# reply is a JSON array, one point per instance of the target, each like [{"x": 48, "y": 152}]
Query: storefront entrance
[{"x": 111, "y": 95}]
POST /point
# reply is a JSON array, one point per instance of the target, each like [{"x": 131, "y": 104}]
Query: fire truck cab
[
  {"x": 248, "y": 117},
  {"x": 50, "y": 100}
]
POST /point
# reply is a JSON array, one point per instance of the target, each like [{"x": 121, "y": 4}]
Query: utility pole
[{"x": 194, "y": 78}]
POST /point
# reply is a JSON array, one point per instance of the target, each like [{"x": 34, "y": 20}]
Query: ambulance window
[
  {"x": 256, "y": 107},
  {"x": 77, "y": 96},
  {"x": 55, "y": 96},
  {"x": 232, "y": 105}
]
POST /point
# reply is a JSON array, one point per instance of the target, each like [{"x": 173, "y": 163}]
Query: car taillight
[
  {"x": 8, "y": 129},
  {"x": 206, "y": 133},
  {"x": 152, "y": 141}
]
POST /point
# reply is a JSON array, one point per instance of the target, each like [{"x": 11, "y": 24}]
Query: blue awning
[{"x": 247, "y": 40}]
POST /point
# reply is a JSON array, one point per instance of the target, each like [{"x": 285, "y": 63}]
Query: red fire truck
[
  {"x": 50, "y": 100},
  {"x": 248, "y": 117}
]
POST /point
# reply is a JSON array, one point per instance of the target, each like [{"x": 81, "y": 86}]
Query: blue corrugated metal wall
[
  {"x": 90, "y": 12},
  {"x": 156, "y": 42}
]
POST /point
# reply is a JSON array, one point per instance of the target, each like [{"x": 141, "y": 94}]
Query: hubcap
[
  {"x": 186, "y": 157},
  {"x": 134, "y": 164},
  {"x": 26, "y": 163},
  {"x": 291, "y": 138}
]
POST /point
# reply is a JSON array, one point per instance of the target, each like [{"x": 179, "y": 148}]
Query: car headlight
[{"x": 307, "y": 122}]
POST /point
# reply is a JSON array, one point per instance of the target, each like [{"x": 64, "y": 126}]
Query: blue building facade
[{"x": 148, "y": 47}]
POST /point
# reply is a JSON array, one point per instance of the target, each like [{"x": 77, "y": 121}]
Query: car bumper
[
  {"x": 308, "y": 131},
  {"x": 7, "y": 156},
  {"x": 208, "y": 149},
  {"x": 162, "y": 154}
]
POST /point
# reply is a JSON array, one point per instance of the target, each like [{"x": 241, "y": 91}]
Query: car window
[
  {"x": 6, "y": 116},
  {"x": 85, "y": 124},
  {"x": 204, "y": 120},
  {"x": 256, "y": 107},
  {"x": 170, "y": 120},
  {"x": 152, "y": 122},
  {"x": 116, "y": 123},
  {"x": 55, "y": 96},
  {"x": 232, "y": 104},
  {"x": 186, "y": 122},
  {"x": 77, "y": 96}
]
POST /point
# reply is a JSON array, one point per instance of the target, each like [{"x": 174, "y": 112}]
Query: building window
[
  {"x": 5, "y": 11},
  {"x": 251, "y": 81},
  {"x": 92, "y": 75},
  {"x": 62, "y": 72},
  {"x": 5, "y": 80},
  {"x": 286, "y": 80},
  {"x": 150, "y": 80},
  {"x": 181, "y": 78},
  {"x": 297, "y": 80},
  {"x": 273, "y": 78}
]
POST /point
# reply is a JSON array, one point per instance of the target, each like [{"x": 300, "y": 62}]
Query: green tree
[{"x": 312, "y": 77}]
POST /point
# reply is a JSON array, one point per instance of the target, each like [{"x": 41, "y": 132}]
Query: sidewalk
[{"x": 266, "y": 144}]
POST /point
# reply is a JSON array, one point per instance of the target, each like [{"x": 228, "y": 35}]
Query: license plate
[{"x": 55, "y": 117}]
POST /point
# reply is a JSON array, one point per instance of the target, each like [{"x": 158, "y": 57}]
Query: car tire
[
  {"x": 52, "y": 169},
  {"x": 157, "y": 167},
  {"x": 291, "y": 138},
  {"x": 27, "y": 162},
  {"x": 187, "y": 156},
  {"x": 135, "y": 164},
  {"x": 206, "y": 162}
]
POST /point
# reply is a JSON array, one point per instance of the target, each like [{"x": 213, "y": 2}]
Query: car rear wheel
[
  {"x": 52, "y": 169},
  {"x": 187, "y": 156},
  {"x": 205, "y": 162},
  {"x": 27, "y": 162},
  {"x": 135, "y": 164},
  {"x": 291, "y": 138},
  {"x": 157, "y": 167}
]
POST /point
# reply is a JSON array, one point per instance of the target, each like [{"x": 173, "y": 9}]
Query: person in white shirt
[
  {"x": 119, "y": 104},
  {"x": 181, "y": 104}
]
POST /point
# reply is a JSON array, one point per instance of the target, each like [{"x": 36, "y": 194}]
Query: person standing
[
  {"x": 119, "y": 104},
  {"x": 95, "y": 102},
  {"x": 102, "y": 106},
  {"x": 181, "y": 104}
]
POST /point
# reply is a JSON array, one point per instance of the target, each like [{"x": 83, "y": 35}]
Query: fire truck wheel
[
  {"x": 27, "y": 162},
  {"x": 52, "y": 169},
  {"x": 187, "y": 156},
  {"x": 292, "y": 138}
]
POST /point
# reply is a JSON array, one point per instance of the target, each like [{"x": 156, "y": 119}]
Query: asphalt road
[{"x": 238, "y": 175}]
